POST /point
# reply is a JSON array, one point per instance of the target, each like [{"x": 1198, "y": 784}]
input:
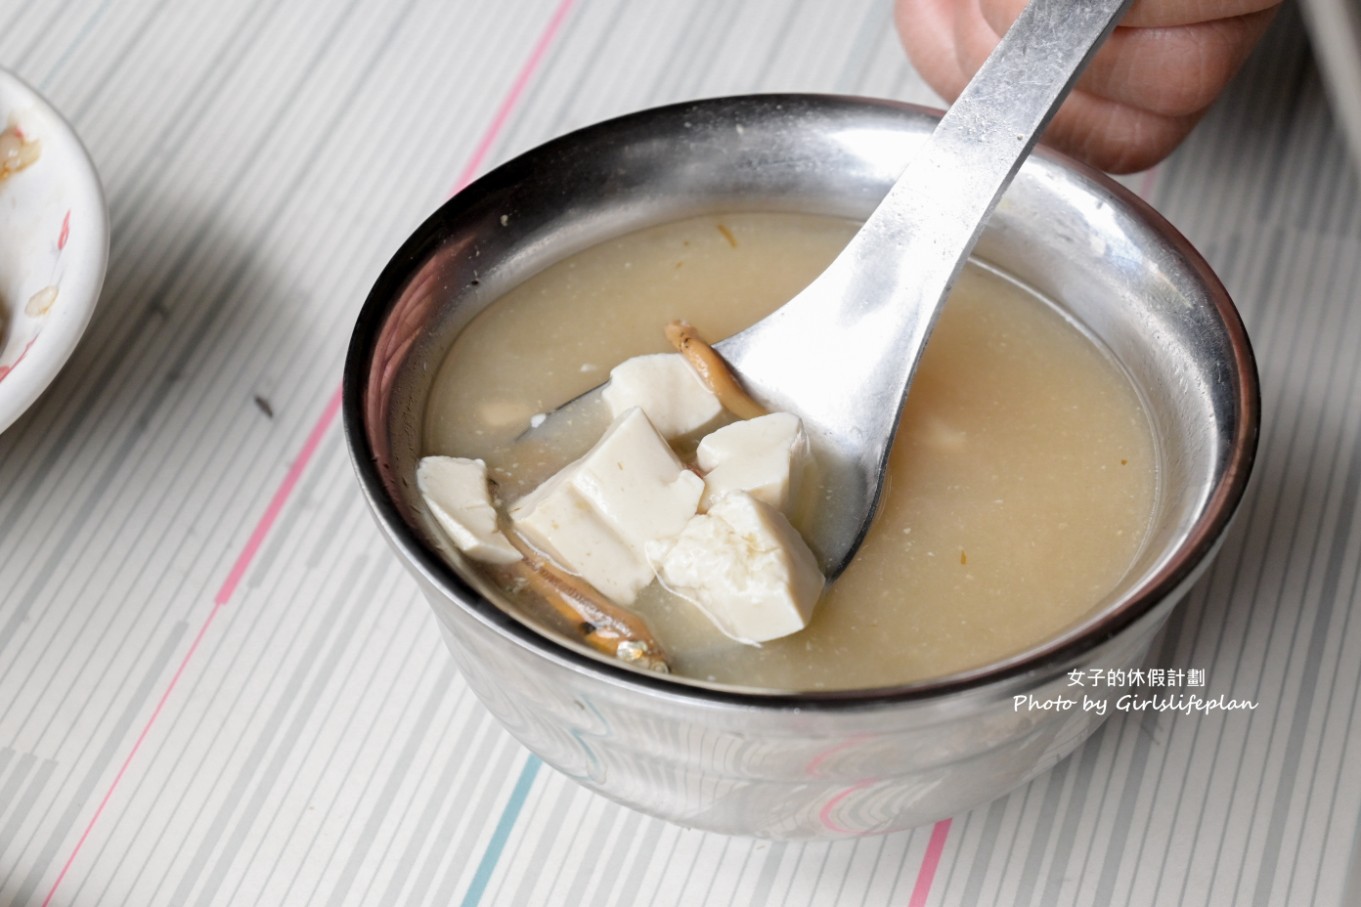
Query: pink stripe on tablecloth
[
  {"x": 276, "y": 503},
  {"x": 309, "y": 448},
  {"x": 927, "y": 873},
  {"x": 517, "y": 88},
  {"x": 137, "y": 745}
]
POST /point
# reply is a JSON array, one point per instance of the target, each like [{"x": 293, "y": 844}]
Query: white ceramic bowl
[{"x": 54, "y": 246}]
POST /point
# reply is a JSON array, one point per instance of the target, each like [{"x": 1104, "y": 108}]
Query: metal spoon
[{"x": 842, "y": 353}]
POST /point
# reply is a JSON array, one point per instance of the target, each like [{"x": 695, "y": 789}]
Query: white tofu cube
[
  {"x": 674, "y": 398},
  {"x": 762, "y": 456},
  {"x": 595, "y": 516},
  {"x": 455, "y": 490},
  {"x": 745, "y": 567},
  {"x": 563, "y": 525}
]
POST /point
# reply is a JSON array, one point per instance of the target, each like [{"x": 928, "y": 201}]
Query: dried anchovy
[
  {"x": 713, "y": 371},
  {"x": 605, "y": 626}
]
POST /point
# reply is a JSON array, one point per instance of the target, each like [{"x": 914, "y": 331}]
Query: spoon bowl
[{"x": 841, "y": 354}]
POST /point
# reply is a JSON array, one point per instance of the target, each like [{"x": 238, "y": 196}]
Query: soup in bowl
[{"x": 1077, "y": 438}]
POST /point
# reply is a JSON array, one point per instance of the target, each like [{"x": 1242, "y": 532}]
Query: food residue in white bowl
[{"x": 17, "y": 150}]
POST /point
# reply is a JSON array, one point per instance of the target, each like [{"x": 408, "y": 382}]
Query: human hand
[{"x": 1144, "y": 90}]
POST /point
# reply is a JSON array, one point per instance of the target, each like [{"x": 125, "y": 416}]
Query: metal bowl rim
[{"x": 1199, "y": 543}]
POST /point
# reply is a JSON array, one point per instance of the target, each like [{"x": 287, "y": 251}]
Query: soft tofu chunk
[
  {"x": 669, "y": 392},
  {"x": 563, "y": 525},
  {"x": 761, "y": 456},
  {"x": 595, "y": 516},
  {"x": 745, "y": 567},
  {"x": 455, "y": 490}
]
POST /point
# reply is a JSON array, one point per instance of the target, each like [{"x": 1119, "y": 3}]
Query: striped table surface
[{"x": 218, "y": 687}]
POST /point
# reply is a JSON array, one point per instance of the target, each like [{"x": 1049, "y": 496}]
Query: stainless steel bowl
[{"x": 812, "y": 764}]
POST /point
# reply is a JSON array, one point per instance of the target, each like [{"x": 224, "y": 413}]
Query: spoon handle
[
  {"x": 863, "y": 323},
  {"x": 891, "y": 279},
  {"x": 924, "y": 229}
]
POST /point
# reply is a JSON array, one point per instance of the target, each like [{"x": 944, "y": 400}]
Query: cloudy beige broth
[{"x": 1021, "y": 483}]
